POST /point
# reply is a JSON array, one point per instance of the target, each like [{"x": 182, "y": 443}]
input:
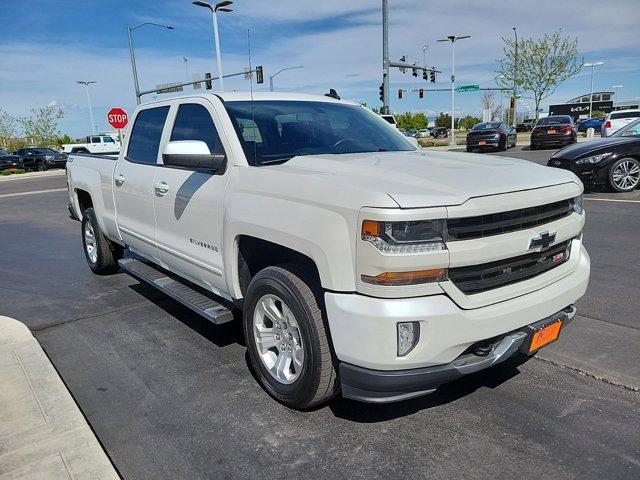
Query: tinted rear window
[
  {"x": 553, "y": 121},
  {"x": 617, "y": 115},
  {"x": 145, "y": 136}
]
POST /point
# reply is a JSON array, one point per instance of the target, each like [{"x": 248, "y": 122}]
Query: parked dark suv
[
  {"x": 555, "y": 131},
  {"x": 41, "y": 159},
  {"x": 9, "y": 161}
]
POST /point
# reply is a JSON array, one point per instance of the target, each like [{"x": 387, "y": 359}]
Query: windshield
[
  {"x": 2, "y": 152},
  {"x": 44, "y": 151},
  {"x": 487, "y": 126},
  {"x": 628, "y": 130},
  {"x": 553, "y": 121},
  {"x": 274, "y": 131}
]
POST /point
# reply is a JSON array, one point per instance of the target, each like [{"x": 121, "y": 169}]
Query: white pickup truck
[
  {"x": 360, "y": 263},
  {"x": 98, "y": 144}
]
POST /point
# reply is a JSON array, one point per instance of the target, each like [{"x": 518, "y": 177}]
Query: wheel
[
  {"x": 286, "y": 338},
  {"x": 624, "y": 174},
  {"x": 532, "y": 147},
  {"x": 469, "y": 149},
  {"x": 502, "y": 147},
  {"x": 41, "y": 167},
  {"x": 101, "y": 254}
]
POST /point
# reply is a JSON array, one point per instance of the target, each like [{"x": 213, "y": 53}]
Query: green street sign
[{"x": 468, "y": 88}]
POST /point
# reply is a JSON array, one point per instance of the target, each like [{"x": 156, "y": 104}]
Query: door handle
[
  {"x": 119, "y": 179},
  {"x": 161, "y": 188}
]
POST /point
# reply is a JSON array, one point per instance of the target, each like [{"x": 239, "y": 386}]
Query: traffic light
[
  {"x": 400, "y": 93},
  {"x": 432, "y": 74},
  {"x": 414, "y": 71},
  {"x": 259, "y": 74},
  {"x": 512, "y": 102},
  {"x": 382, "y": 92},
  {"x": 425, "y": 75},
  {"x": 421, "y": 93},
  {"x": 207, "y": 81}
]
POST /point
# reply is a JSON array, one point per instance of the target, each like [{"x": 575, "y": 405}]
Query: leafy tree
[
  {"x": 412, "y": 121},
  {"x": 543, "y": 64},
  {"x": 443, "y": 120},
  {"x": 7, "y": 129},
  {"x": 469, "y": 122},
  {"x": 41, "y": 125},
  {"x": 61, "y": 140},
  {"x": 598, "y": 114}
]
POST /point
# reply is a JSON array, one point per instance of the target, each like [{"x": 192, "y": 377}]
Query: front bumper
[
  {"x": 589, "y": 174},
  {"x": 381, "y": 386},
  {"x": 363, "y": 328}
]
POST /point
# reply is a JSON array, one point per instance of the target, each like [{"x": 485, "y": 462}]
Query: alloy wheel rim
[
  {"x": 90, "y": 244},
  {"x": 626, "y": 175},
  {"x": 278, "y": 340}
]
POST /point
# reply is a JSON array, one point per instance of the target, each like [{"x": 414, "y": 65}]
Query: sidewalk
[
  {"x": 43, "y": 434},
  {"x": 45, "y": 174}
]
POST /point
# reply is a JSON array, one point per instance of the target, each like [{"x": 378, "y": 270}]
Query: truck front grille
[
  {"x": 487, "y": 276},
  {"x": 503, "y": 222}
]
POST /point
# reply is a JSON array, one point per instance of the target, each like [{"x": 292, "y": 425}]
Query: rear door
[
  {"x": 189, "y": 203},
  {"x": 133, "y": 182}
]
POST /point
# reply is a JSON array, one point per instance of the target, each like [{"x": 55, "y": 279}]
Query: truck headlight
[
  {"x": 408, "y": 336},
  {"x": 405, "y": 237},
  {"x": 577, "y": 204},
  {"x": 592, "y": 159}
]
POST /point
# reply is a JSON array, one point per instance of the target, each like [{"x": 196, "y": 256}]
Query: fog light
[{"x": 408, "y": 336}]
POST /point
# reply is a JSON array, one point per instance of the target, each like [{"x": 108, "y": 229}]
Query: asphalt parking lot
[{"x": 171, "y": 396}]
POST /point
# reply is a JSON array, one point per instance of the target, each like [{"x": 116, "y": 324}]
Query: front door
[
  {"x": 133, "y": 180},
  {"x": 189, "y": 203}
]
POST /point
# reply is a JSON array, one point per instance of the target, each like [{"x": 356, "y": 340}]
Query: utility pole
[
  {"x": 385, "y": 57},
  {"x": 133, "y": 57},
  {"x": 86, "y": 84},
  {"x": 515, "y": 76},
  {"x": 186, "y": 65},
  {"x": 593, "y": 66},
  {"x": 453, "y": 39},
  {"x": 222, "y": 7},
  {"x": 617, "y": 89}
]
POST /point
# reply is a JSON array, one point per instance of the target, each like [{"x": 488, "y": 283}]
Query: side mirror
[{"x": 192, "y": 154}]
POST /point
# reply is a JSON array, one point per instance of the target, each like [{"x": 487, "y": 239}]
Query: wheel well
[
  {"x": 84, "y": 201},
  {"x": 254, "y": 254}
]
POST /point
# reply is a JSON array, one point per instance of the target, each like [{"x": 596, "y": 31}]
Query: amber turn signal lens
[
  {"x": 371, "y": 228},
  {"x": 407, "y": 278}
]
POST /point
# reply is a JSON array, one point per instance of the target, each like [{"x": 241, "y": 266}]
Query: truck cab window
[
  {"x": 193, "y": 122},
  {"x": 146, "y": 134},
  {"x": 95, "y": 139},
  {"x": 107, "y": 140}
]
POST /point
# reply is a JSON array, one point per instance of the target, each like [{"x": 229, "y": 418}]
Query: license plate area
[
  {"x": 543, "y": 333},
  {"x": 482, "y": 142},
  {"x": 551, "y": 132}
]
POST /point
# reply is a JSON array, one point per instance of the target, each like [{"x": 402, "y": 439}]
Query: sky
[{"x": 46, "y": 45}]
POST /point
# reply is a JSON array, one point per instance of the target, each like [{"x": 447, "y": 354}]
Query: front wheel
[
  {"x": 624, "y": 175},
  {"x": 286, "y": 339},
  {"x": 41, "y": 167},
  {"x": 102, "y": 255}
]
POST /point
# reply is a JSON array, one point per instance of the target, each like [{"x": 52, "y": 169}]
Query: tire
[
  {"x": 41, "y": 167},
  {"x": 532, "y": 147},
  {"x": 103, "y": 257},
  {"x": 469, "y": 149},
  {"x": 624, "y": 175},
  {"x": 502, "y": 147},
  {"x": 298, "y": 323}
]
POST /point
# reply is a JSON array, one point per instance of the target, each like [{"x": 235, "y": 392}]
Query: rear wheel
[
  {"x": 286, "y": 338},
  {"x": 102, "y": 255},
  {"x": 624, "y": 175}
]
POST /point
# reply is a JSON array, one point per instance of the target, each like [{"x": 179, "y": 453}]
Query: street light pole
[
  {"x": 86, "y": 84},
  {"x": 515, "y": 76},
  {"x": 278, "y": 72},
  {"x": 453, "y": 39},
  {"x": 134, "y": 69},
  {"x": 220, "y": 6},
  {"x": 385, "y": 57},
  {"x": 593, "y": 66},
  {"x": 617, "y": 89},
  {"x": 186, "y": 65}
]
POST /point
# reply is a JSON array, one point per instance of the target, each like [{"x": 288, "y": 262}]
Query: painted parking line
[
  {"x": 612, "y": 200},
  {"x": 33, "y": 192}
]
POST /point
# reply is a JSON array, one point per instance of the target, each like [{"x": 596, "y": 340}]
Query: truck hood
[{"x": 429, "y": 179}]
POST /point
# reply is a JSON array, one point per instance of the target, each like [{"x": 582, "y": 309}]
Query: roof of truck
[{"x": 256, "y": 96}]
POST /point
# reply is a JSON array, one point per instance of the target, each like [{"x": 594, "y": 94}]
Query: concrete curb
[
  {"x": 43, "y": 434},
  {"x": 24, "y": 176}
]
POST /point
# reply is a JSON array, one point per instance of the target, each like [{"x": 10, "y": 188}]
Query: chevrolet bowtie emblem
[{"x": 543, "y": 242}]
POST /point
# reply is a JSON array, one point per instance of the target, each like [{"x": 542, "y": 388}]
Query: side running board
[{"x": 183, "y": 293}]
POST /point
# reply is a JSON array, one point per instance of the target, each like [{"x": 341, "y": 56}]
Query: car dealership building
[{"x": 578, "y": 107}]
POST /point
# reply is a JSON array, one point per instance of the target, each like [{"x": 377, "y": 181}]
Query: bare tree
[
  {"x": 543, "y": 64},
  {"x": 489, "y": 104}
]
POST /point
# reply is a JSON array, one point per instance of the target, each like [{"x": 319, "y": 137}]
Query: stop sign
[{"x": 117, "y": 118}]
